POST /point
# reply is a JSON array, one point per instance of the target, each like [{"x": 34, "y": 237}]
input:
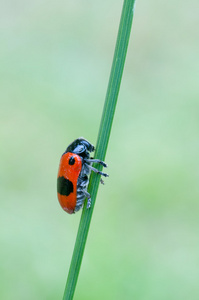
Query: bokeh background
[{"x": 55, "y": 62}]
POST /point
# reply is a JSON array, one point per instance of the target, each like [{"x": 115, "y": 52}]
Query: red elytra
[{"x": 67, "y": 198}]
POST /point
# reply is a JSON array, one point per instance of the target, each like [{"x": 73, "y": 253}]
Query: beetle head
[{"x": 80, "y": 147}]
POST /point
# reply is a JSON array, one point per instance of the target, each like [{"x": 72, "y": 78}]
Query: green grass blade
[{"x": 102, "y": 141}]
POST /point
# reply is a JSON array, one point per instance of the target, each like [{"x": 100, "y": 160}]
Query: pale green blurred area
[{"x": 143, "y": 243}]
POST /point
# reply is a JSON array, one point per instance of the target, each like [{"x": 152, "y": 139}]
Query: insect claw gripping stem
[
  {"x": 88, "y": 196},
  {"x": 88, "y": 203}
]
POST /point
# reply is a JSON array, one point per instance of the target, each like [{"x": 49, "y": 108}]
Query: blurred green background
[{"x": 55, "y": 62}]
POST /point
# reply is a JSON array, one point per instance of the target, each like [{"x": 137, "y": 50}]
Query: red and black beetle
[{"x": 74, "y": 169}]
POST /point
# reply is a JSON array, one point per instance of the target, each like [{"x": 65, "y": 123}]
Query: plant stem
[{"x": 102, "y": 141}]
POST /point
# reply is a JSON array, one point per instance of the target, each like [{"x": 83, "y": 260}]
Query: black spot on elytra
[
  {"x": 71, "y": 160},
  {"x": 64, "y": 186}
]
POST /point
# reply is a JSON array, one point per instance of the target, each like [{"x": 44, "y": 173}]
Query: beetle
[{"x": 73, "y": 175}]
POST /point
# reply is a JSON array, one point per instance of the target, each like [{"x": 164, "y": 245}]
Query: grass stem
[{"x": 102, "y": 141}]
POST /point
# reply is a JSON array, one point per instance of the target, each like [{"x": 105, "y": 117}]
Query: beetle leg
[
  {"x": 101, "y": 181},
  {"x": 97, "y": 171},
  {"x": 98, "y": 161},
  {"x": 88, "y": 196}
]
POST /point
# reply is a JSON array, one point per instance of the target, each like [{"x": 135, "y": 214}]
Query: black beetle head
[{"x": 80, "y": 147}]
